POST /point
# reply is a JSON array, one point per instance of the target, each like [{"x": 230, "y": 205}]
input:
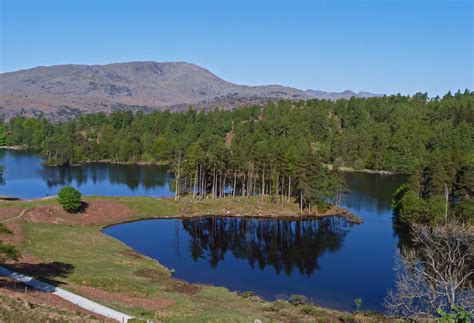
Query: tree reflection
[
  {"x": 283, "y": 244},
  {"x": 133, "y": 176}
]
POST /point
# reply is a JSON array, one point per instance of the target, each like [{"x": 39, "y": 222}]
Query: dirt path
[{"x": 15, "y": 217}]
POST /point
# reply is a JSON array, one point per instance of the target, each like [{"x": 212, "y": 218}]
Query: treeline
[
  {"x": 439, "y": 193},
  {"x": 280, "y": 150}
]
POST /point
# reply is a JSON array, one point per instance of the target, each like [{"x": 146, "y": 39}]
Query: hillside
[{"x": 64, "y": 91}]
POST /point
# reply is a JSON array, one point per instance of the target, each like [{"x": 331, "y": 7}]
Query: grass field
[{"x": 105, "y": 270}]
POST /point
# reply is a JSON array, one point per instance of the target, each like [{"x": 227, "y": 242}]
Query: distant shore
[
  {"x": 346, "y": 169},
  {"x": 16, "y": 147}
]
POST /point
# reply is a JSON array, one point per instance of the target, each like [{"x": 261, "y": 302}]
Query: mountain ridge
[{"x": 59, "y": 92}]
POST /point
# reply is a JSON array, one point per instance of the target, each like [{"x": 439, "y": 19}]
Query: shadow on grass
[
  {"x": 84, "y": 206},
  {"x": 50, "y": 272}
]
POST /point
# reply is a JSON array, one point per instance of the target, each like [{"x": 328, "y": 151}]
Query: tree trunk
[
  {"x": 235, "y": 185},
  {"x": 176, "y": 191},
  {"x": 289, "y": 189},
  {"x": 301, "y": 201},
  {"x": 195, "y": 181}
]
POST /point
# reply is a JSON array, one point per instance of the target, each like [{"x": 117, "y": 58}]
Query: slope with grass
[{"x": 79, "y": 258}]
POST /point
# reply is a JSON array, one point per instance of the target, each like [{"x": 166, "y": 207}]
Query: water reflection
[
  {"x": 133, "y": 176},
  {"x": 26, "y": 177},
  {"x": 376, "y": 191},
  {"x": 282, "y": 244}
]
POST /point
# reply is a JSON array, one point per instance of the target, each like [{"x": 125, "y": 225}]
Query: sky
[{"x": 383, "y": 46}]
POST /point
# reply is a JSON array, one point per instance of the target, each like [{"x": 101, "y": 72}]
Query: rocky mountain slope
[{"x": 64, "y": 91}]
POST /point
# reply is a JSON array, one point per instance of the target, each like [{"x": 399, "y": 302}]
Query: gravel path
[{"x": 70, "y": 297}]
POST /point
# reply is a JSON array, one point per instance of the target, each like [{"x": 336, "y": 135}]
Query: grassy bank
[{"x": 72, "y": 251}]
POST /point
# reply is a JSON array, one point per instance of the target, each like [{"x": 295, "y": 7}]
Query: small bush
[
  {"x": 457, "y": 314},
  {"x": 4, "y": 229},
  {"x": 338, "y": 162},
  {"x": 347, "y": 317},
  {"x": 8, "y": 252},
  {"x": 358, "y": 303},
  {"x": 277, "y": 306},
  {"x": 311, "y": 310},
  {"x": 297, "y": 300},
  {"x": 247, "y": 294},
  {"x": 70, "y": 199},
  {"x": 358, "y": 164}
]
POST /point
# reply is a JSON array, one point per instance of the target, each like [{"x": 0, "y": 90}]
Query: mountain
[
  {"x": 63, "y": 91},
  {"x": 347, "y": 94}
]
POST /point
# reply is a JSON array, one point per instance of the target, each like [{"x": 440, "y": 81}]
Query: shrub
[
  {"x": 70, "y": 199},
  {"x": 346, "y": 317},
  {"x": 412, "y": 208},
  {"x": 359, "y": 164},
  {"x": 8, "y": 252},
  {"x": 297, "y": 300},
  {"x": 311, "y": 310},
  {"x": 358, "y": 303},
  {"x": 338, "y": 162},
  {"x": 247, "y": 294},
  {"x": 4, "y": 229},
  {"x": 457, "y": 314}
]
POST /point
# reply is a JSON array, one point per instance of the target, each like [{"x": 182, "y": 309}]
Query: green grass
[{"x": 102, "y": 262}]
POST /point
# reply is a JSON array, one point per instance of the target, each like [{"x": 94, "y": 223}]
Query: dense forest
[{"x": 283, "y": 149}]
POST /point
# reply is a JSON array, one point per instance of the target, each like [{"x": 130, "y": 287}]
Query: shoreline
[
  {"x": 109, "y": 162},
  {"x": 17, "y": 147},
  {"x": 265, "y": 213},
  {"x": 352, "y": 219},
  {"x": 344, "y": 169}
]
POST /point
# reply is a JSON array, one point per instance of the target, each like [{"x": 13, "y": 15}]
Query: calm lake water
[
  {"x": 25, "y": 177},
  {"x": 328, "y": 260}
]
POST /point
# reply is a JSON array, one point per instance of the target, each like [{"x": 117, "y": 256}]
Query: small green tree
[
  {"x": 3, "y": 136},
  {"x": 358, "y": 303},
  {"x": 70, "y": 199},
  {"x": 296, "y": 299},
  {"x": 457, "y": 314}
]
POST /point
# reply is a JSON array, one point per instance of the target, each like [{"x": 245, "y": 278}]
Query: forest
[{"x": 285, "y": 149}]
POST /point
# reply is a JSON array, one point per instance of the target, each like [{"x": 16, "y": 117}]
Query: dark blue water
[
  {"x": 25, "y": 177},
  {"x": 329, "y": 261}
]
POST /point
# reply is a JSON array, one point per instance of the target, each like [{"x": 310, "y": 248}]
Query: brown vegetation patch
[
  {"x": 9, "y": 212},
  {"x": 16, "y": 232},
  {"x": 152, "y": 302},
  {"x": 229, "y": 137},
  {"x": 94, "y": 213},
  {"x": 33, "y": 298},
  {"x": 131, "y": 253},
  {"x": 149, "y": 273},
  {"x": 177, "y": 286},
  {"x": 185, "y": 288}
]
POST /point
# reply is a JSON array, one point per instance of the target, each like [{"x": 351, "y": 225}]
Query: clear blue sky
[{"x": 380, "y": 46}]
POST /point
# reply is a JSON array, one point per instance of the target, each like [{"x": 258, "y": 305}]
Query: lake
[
  {"x": 25, "y": 177},
  {"x": 329, "y": 261}
]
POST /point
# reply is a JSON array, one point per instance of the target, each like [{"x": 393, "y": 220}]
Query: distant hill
[
  {"x": 347, "y": 94},
  {"x": 63, "y": 91}
]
